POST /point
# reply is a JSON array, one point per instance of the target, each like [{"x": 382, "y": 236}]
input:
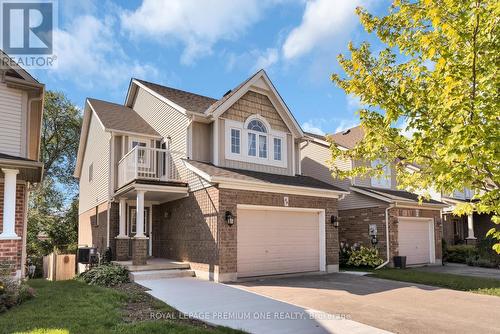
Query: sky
[{"x": 209, "y": 47}]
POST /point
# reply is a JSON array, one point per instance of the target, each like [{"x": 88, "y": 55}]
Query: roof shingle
[
  {"x": 391, "y": 194},
  {"x": 120, "y": 118},
  {"x": 189, "y": 101},
  {"x": 247, "y": 175}
]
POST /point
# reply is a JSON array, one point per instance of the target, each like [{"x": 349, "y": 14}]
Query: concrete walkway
[
  {"x": 463, "y": 269},
  {"x": 229, "y": 306}
]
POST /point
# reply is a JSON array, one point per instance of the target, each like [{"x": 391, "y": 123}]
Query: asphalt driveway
[{"x": 394, "y": 306}]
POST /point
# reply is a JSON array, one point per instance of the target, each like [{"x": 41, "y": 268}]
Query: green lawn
[
  {"x": 486, "y": 286},
  {"x": 74, "y": 307}
]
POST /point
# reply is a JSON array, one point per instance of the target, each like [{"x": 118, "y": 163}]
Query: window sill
[{"x": 10, "y": 237}]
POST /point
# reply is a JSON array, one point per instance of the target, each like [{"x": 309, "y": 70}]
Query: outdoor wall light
[
  {"x": 229, "y": 218},
  {"x": 334, "y": 220}
]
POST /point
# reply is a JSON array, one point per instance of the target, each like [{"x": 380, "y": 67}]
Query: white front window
[
  {"x": 260, "y": 144},
  {"x": 252, "y": 144},
  {"x": 384, "y": 180},
  {"x": 277, "y": 149},
  {"x": 235, "y": 141}
]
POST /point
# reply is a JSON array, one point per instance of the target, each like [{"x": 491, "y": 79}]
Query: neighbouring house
[
  {"x": 21, "y": 108},
  {"x": 468, "y": 229},
  {"x": 375, "y": 209},
  {"x": 212, "y": 182}
]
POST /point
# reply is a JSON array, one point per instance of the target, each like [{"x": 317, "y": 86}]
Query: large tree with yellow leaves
[{"x": 438, "y": 77}]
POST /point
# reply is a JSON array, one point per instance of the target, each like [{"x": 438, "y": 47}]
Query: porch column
[
  {"x": 470, "y": 227},
  {"x": 122, "y": 213},
  {"x": 139, "y": 242},
  {"x": 9, "y": 204},
  {"x": 122, "y": 239},
  {"x": 140, "y": 215}
]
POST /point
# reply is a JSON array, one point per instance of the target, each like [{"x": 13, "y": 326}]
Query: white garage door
[
  {"x": 414, "y": 237},
  {"x": 274, "y": 242}
]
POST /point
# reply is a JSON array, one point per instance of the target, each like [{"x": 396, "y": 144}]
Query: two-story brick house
[
  {"x": 212, "y": 182},
  {"x": 375, "y": 207},
  {"x": 21, "y": 108}
]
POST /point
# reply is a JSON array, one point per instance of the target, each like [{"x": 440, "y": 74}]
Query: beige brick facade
[{"x": 11, "y": 251}]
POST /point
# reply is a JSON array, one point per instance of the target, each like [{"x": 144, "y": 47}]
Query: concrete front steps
[
  {"x": 157, "y": 268},
  {"x": 159, "y": 274}
]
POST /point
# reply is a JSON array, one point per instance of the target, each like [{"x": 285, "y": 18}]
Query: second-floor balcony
[{"x": 152, "y": 164}]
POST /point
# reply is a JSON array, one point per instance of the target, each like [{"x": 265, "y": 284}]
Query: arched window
[{"x": 256, "y": 125}]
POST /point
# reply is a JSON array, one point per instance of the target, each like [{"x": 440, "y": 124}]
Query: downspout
[{"x": 387, "y": 237}]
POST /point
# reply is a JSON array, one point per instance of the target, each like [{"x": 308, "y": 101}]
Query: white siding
[
  {"x": 12, "y": 114},
  {"x": 169, "y": 123},
  {"x": 314, "y": 161},
  {"x": 357, "y": 201},
  {"x": 163, "y": 118},
  {"x": 97, "y": 150}
]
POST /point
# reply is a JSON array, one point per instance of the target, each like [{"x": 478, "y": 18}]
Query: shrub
[
  {"x": 344, "y": 253},
  {"x": 460, "y": 253},
  {"x": 364, "y": 257},
  {"x": 477, "y": 261},
  {"x": 13, "y": 292},
  {"x": 105, "y": 275}
]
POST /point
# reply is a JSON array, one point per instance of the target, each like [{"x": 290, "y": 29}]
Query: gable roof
[
  {"x": 189, "y": 101},
  {"x": 15, "y": 70},
  {"x": 216, "y": 174},
  {"x": 112, "y": 117},
  {"x": 116, "y": 117},
  {"x": 348, "y": 138},
  {"x": 229, "y": 94},
  {"x": 224, "y": 103},
  {"x": 393, "y": 196}
]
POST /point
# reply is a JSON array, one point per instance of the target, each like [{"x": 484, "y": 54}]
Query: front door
[{"x": 132, "y": 225}]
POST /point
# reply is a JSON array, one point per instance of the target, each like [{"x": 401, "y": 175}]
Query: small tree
[
  {"x": 53, "y": 207},
  {"x": 438, "y": 79}
]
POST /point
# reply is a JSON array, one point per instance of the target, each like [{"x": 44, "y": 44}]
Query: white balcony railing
[{"x": 154, "y": 164}]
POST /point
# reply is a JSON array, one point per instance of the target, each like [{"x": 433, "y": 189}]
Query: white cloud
[
  {"x": 259, "y": 58},
  {"x": 346, "y": 124},
  {"x": 198, "y": 25},
  {"x": 266, "y": 59},
  {"x": 89, "y": 54},
  {"x": 322, "y": 22},
  {"x": 313, "y": 127}
]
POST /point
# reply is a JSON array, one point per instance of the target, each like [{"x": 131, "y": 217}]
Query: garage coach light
[
  {"x": 334, "y": 220},
  {"x": 229, "y": 218}
]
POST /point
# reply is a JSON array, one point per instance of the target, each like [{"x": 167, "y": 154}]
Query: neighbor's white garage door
[
  {"x": 415, "y": 238},
  {"x": 277, "y": 242}
]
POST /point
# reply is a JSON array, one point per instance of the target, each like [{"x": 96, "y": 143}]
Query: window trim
[{"x": 243, "y": 156}]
